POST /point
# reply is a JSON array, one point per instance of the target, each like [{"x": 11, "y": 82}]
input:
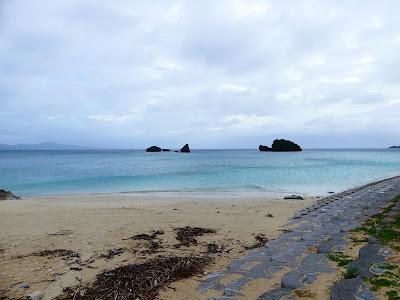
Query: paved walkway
[{"x": 324, "y": 225}]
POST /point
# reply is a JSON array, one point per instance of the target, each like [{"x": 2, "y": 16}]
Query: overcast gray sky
[{"x": 215, "y": 74}]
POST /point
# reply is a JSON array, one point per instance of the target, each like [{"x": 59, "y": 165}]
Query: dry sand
[{"x": 91, "y": 225}]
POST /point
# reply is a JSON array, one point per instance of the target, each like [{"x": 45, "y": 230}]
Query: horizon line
[{"x": 83, "y": 148}]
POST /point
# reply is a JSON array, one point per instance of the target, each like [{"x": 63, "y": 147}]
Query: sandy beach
[{"x": 99, "y": 228}]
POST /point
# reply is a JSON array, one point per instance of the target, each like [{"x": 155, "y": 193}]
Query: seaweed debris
[
  {"x": 112, "y": 252},
  {"x": 139, "y": 281},
  {"x": 187, "y": 235},
  {"x": 154, "y": 243},
  {"x": 53, "y": 253},
  {"x": 214, "y": 248},
  {"x": 147, "y": 237}
]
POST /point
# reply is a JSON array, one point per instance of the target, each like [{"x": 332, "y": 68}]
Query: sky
[{"x": 214, "y": 74}]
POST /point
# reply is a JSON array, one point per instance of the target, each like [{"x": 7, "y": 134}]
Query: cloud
[
  {"x": 248, "y": 121},
  {"x": 113, "y": 118},
  {"x": 128, "y": 73},
  {"x": 235, "y": 88}
]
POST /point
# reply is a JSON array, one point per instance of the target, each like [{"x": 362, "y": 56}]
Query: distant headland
[
  {"x": 280, "y": 146},
  {"x": 394, "y": 147},
  {"x": 42, "y": 146}
]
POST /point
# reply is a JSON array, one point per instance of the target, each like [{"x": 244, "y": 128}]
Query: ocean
[{"x": 223, "y": 172}]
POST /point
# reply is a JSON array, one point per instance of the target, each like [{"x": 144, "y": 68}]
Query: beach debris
[
  {"x": 330, "y": 192},
  {"x": 139, "y": 281},
  {"x": 73, "y": 259},
  {"x": 269, "y": 215},
  {"x": 153, "y": 246},
  {"x": 147, "y": 237},
  {"x": 36, "y": 295},
  {"x": 7, "y": 195},
  {"x": 214, "y": 248},
  {"x": 154, "y": 243},
  {"x": 186, "y": 235},
  {"x": 56, "y": 253},
  {"x": 261, "y": 239},
  {"x": 24, "y": 285},
  {"x": 293, "y": 197},
  {"x": 61, "y": 232},
  {"x": 185, "y": 149},
  {"x": 112, "y": 252}
]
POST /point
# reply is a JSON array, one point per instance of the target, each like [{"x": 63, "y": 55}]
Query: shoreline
[
  {"x": 255, "y": 193},
  {"x": 178, "y": 194}
]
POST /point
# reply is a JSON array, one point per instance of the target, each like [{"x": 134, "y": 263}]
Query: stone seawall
[{"x": 322, "y": 226}]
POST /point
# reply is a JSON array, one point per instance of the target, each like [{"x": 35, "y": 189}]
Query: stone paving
[
  {"x": 355, "y": 288},
  {"x": 323, "y": 226}
]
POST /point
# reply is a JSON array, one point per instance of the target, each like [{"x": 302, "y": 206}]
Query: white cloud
[
  {"x": 236, "y": 88},
  {"x": 111, "y": 118},
  {"x": 248, "y": 121}
]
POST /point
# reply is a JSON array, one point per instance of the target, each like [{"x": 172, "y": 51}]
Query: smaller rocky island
[
  {"x": 394, "y": 147},
  {"x": 280, "y": 146},
  {"x": 153, "y": 149},
  {"x": 184, "y": 149}
]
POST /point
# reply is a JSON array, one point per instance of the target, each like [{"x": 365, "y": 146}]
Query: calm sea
[{"x": 311, "y": 172}]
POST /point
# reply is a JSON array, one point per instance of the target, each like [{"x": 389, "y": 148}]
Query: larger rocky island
[{"x": 280, "y": 146}]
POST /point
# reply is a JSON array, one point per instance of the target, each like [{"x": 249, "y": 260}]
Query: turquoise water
[{"x": 311, "y": 171}]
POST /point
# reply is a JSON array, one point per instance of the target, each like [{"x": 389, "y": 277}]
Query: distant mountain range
[{"x": 41, "y": 146}]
